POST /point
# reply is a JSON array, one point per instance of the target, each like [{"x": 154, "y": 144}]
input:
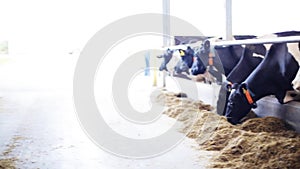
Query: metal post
[
  {"x": 166, "y": 30},
  {"x": 166, "y": 23},
  {"x": 228, "y": 20},
  {"x": 147, "y": 60},
  {"x": 287, "y": 39}
]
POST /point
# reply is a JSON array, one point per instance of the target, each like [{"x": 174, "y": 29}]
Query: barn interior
[{"x": 106, "y": 84}]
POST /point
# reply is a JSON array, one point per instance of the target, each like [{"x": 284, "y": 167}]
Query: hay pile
[
  {"x": 257, "y": 143},
  {"x": 259, "y": 150},
  {"x": 8, "y": 163}
]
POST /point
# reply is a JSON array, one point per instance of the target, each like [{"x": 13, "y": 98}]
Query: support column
[
  {"x": 228, "y": 20},
  {"x": 166, "y": 30}
]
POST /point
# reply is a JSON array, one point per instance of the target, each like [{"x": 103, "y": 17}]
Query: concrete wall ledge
[{"x": 290, "y": 112}]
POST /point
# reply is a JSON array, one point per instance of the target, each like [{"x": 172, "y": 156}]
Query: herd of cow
[{"x": 252, "y": 72}]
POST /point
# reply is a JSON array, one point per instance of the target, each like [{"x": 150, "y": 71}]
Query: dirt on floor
[
  {"x": 7, "y": 161},
  {"x": 256, "y": 143}
]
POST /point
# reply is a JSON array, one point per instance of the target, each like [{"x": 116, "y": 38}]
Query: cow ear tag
[
  {"x": 248, "y": 96},
  {"x": 229, "y": 86},
  {"x": 211, "y": 58},
  {"x": 182, "y": 53}
]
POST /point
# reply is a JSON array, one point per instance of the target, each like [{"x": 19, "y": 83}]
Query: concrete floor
[{"x": 39, "y": 125}]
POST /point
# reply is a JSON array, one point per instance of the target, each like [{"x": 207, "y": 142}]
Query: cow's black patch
[{"x": 273, "y": 76}]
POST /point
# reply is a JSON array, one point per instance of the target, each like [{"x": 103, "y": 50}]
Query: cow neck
[
  {"x": 268, "y": 78},
  {"x": 245, "y": 66},
  {"x": 259, "y": 88}
]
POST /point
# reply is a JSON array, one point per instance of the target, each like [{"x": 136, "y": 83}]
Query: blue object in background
[{"x": 147, "y": 59}]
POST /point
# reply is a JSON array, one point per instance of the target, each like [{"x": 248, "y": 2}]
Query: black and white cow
[
  {"x": 183, "y": 61},
  {"x": 186, "y": 61},
  {"x": 200, "y": 61},
  {"x": 294, "y": 49},
  {"x": 273, "y": 76},
  {"x": 248, "y": 62},
  {"x": 167, "y": 56},
  {"x": 225, "y": 59}
]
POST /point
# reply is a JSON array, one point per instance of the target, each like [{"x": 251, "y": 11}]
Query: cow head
[
  {"x": 199, "y": 62},
  {"x": 239, "y": 103},
  {"x": 167, "y": 56}
]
